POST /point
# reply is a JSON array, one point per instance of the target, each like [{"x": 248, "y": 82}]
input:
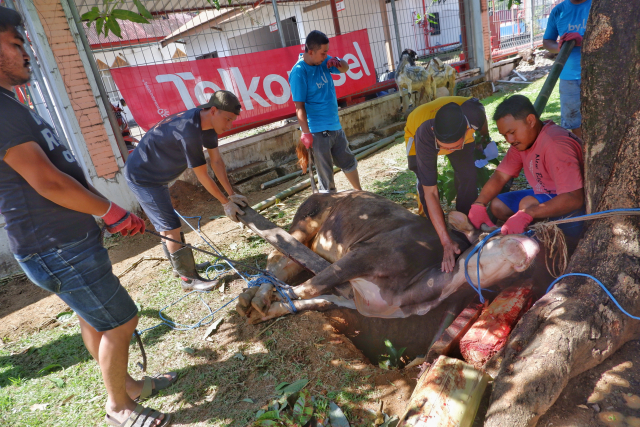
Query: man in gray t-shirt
[{"x": 164, "y": 153}]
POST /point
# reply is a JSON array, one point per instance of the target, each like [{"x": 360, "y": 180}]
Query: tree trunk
[{"x": 576, "y": 326}]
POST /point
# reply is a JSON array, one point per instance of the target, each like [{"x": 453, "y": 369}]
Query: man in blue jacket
[
  {"x": 314, "y": 95},
  {"x": 569, "y": 21}
]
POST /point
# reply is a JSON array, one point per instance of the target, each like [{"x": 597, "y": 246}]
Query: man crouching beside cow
[
  {"x": 553, "y": 164},
  {"x": 392, "y": 258}
]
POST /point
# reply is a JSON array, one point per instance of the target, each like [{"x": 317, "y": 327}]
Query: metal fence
[
  {"x": 180, "y": 32},
  {"x": 517, "y": 28},
  {"x": 433, "y": 28}
]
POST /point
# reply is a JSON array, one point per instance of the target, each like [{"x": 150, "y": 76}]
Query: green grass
[{"x": 53, "y": 368}]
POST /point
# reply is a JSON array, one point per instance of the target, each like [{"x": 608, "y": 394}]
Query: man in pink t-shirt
[{"x": 553, "y": 165}]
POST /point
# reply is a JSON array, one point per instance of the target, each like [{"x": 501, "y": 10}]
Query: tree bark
[{"x": 576, "y": 326}]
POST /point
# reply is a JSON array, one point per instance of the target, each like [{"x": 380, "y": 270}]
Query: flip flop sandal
[
  {"x": 140, "y": 417},
  {"x": 161, "y": 382}
]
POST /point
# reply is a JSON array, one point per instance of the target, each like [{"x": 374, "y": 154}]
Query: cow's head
[{"x": 501, "y": 257}]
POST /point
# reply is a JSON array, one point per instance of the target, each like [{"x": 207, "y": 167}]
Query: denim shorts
[
  {"x": 570, "y": 116},
  {"x": 512, "y": 200},
  {"x": 328, "y": 146},
  {"x": 80, "y": 274},
  {"x": 156, "y": 203}
]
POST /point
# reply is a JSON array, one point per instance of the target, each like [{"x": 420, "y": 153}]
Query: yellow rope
[{"x": 555, "y": 246}]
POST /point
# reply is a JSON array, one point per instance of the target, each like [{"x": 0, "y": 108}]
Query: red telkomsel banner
[{"x": 260, "y": 80}]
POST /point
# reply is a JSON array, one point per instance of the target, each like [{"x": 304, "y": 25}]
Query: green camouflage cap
[{"x": 225, "y": 101}]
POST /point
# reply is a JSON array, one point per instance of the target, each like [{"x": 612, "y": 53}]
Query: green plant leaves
[
  {"x": 127, "y": 15},
  {"x": 91, "y": 16},
  {"x": 303, "y": 409},
  {"x": 52, "y": 367},
  {"x": 336, "y": 416},
  {"x": 285, "y": 388},
  {"x": 107, "y": 19},
  {"x": 142, "y": 10},
  {"x": 393, "y": 359},
  {"x": 111, "y": 24}
]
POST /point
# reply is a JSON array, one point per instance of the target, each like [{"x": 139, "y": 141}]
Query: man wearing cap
[
  {"x": 163, "y": 154},
  {"x": 447, "y": 129},
  {"x": 314, "y": 95},
  {"x": 48, "y": 204}
]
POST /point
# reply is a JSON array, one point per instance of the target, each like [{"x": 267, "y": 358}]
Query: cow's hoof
[
  {"x": 459, "y": 221},
  {"x": 262, "y": 299},
  {"x": 277, "y": 309},
  {"x": 244, "y": 301}
]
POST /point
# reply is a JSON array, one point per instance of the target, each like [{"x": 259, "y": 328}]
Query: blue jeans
[
  {"x": 570, "y": 115},
  {"x": 512, "y": 200},
  {"x": 80, "y": 274},
  {"x": 156, "y": 203}
]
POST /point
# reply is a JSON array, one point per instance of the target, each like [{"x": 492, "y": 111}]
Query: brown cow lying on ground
[{"x": 389, "y": 256}]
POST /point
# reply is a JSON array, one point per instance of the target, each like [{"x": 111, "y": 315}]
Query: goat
[
  {"x": 444, "y": 75},
  {"x": 412, "y": 77}
]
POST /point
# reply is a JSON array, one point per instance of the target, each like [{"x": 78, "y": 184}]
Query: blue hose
[
  {"x": 478, "y": 249},
  {"x": 218, "y": 269},
  {"x": 601, "y": 285}
]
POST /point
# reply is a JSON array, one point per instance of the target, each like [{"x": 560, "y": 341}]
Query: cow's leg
[
  {"x": 304, "y": 230},
  {"x": 280, "y": 308},
  {"x": 346, "y": 268},
  {"x": 340, "y": 272}
]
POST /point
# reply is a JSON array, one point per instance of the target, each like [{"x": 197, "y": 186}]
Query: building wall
[
  {"x": 210, "y": 40},
  {"x": 84, "y": 104},
  {"x": 135, "y": 56}
]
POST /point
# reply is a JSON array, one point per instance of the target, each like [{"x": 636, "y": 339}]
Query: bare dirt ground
[{"x": 229, "y": 378}]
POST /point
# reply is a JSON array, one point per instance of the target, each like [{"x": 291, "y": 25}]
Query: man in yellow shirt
[{"x": 445, "y": 126}]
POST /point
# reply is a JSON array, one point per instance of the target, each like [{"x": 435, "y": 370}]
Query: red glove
[
  {"x": 517, "y": 223},
  {"x": 117, "y": 219},
  {"x": 570, "y": 36},
  {"x": 333, "y": 62},
  {"x": 307, "y": 140},
  {"x": 478, "y": 216}
]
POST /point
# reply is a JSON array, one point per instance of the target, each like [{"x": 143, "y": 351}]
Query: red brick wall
[{"x": 73, "y": 73}]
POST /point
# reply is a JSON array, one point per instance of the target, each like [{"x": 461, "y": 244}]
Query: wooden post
[
  {"x": 283, "y": 241},
  {"x": 486, "y": 35},
  {"x": 447, "y": 395},
  {"x": 463, "y": 30},
  {"x": 387, "y": 36},
  {"x": 336, "y": 21}
]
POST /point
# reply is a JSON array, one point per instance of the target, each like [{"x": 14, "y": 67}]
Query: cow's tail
[{"x": 303, "y": 156}]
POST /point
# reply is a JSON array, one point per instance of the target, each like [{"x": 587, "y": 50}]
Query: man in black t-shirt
[
  {"x": 48, "y": 206},
  {"x": 450, "y": 133},
  {"x": 164, "y": 153}
]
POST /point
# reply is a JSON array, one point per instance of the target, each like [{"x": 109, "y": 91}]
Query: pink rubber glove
[
  {"x": 570, "y": 36},
  {"x": 119, "y": 220},
  {"x": 517, "y": 223},
  {"x": 478, "y": 216},
  {"x": 333, "y": 62},
  {"x": 307, "y": 140}
]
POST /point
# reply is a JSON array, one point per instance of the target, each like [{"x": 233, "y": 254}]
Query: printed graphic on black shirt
[{"x": 34, "y": 223}]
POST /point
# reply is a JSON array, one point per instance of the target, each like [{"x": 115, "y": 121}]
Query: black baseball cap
[
  {"x": 450, "y": 123},
  {"x": 9, "y": 17},
  {"x": 225, "y": 101}
]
